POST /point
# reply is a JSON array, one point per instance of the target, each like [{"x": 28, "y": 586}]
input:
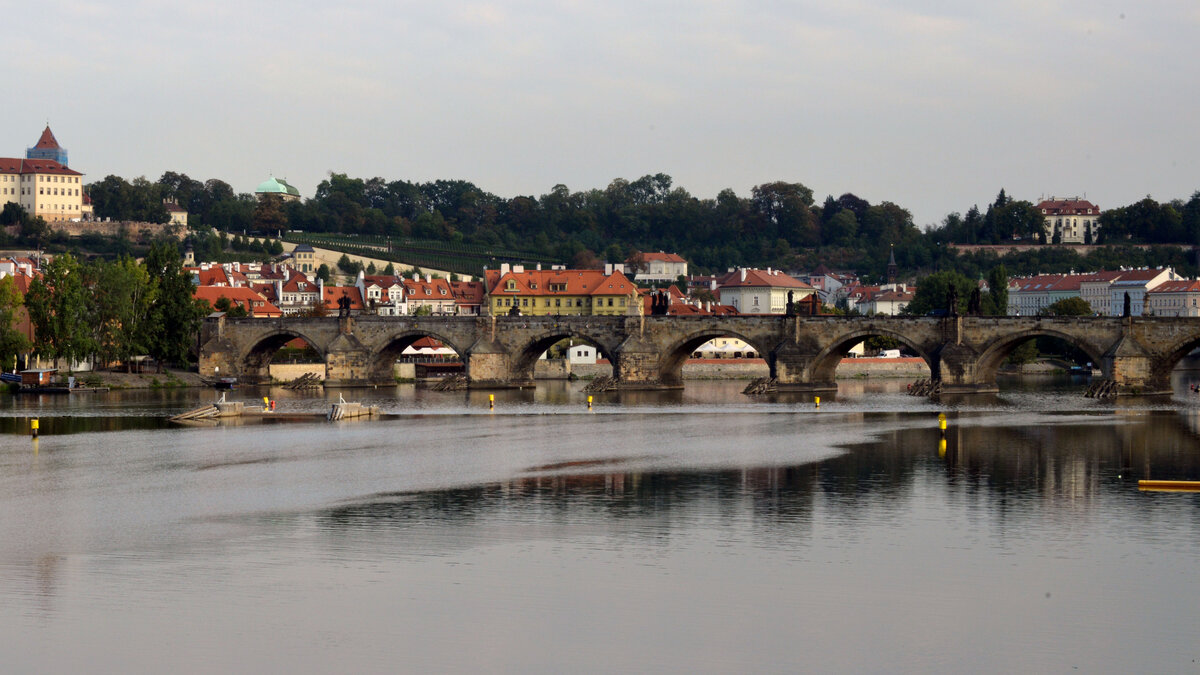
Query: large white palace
[{"x": 42, "y": 183}]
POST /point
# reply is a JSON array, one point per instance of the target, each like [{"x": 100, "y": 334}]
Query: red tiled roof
[
  {"x": 427, "y": 290},
  {"x": 335, "y": 293},
  {"x": 663, "y": 257},
  {"x": 292, "y": 285},
  {"x": 571, "y": 282},
  {"x": 1068, "y": 207},
  {"x": 1185, "y": 286},
  {"x": 254, "y": 303},
  {"x": 1135, "y": 276},
  {"x": 48, "y": 141},
  {"x": 468, "y": 292},
  {"x": 759, "y": 279},
  {"x": 27, "y": 166}
]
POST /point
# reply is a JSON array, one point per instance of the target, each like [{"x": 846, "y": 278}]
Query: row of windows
[
  {"x": 558, "y": 302},
  {"x": 28, "y": 178},
  {"x": 65, "y": 191}
]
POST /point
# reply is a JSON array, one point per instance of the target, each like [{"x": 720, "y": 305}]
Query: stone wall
[{"x": 134, "y": 230}]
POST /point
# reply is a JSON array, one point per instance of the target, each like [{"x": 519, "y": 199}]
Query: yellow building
[
  {"x": 560, "y": 292},
  {"x": 44, "y": 187}
]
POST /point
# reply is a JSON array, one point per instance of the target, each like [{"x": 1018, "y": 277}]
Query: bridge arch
[
  {"x": 255, "y": 364},
  {"x": 381, "y": 367},
  {"x": 670, "y": 366},
  {"x": 526, "y": 355},
  {"x": 1171, "y": 356},
  {"x": 824, "y": 366},
  {"x": 994, "y": 353}
]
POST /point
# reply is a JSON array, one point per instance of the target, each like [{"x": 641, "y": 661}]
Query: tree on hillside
[
  {"x": 323, "y": 273},
  {"x": 175, "y": 315},
  {"x": 998, "y": 289},
  {"x": 59, "y": 310},
  {"x": 12, "y": 341},
  {"x": 121, "y": 298},
  {"x": 933, "y": 291},
  {"x": 269, "y": 216}
]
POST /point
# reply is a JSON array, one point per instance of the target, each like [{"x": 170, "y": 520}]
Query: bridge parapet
[{"x": 648, "y": 352}]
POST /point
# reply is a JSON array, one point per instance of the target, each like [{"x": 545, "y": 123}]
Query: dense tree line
[
  {"x": 110, "y": 311},
  {"x": 779, "y": 224}
]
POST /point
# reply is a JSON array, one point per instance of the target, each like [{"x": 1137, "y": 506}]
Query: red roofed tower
[{"x": 48, "y": 148}]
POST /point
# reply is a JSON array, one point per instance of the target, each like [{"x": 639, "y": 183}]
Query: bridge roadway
[{"x": 648, "y": 352}]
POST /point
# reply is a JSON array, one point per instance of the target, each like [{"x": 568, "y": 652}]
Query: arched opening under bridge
[
  {"x": 712, "y": 354},
  {"x": 416, "y": 356},
  {"x": 281, "y": 357},
  {"x": 1037, "y": 352},
  {"x": 558, "y": 354},
  {"x": 872, "y": 353}
]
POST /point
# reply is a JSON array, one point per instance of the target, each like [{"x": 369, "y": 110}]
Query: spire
[
  {"x": 47, "y": 148},
  {"x": 892, "y": 268},
  {"x": 892, "y": 258},
  {"x": 48, "y": 141}
]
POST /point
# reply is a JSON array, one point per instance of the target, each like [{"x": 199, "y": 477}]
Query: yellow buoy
[
  {"x": 491, "y": 401},
  {"x": 589, "y": 402},
  {"x": 817, "y": 401},
  {"x": 33, "y": 428}
]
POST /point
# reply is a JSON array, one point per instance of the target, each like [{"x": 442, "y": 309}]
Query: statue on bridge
[
  {"x": 514, "y": 310},
  {"x": 952, "y": 301},
  {"x": 343, "y": 306},
  {"x": 791, "y": 307},
  {"x": 975, "y": 304},
  {"x": 1126, "y": 310}
]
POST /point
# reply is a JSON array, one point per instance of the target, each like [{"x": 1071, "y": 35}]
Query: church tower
[
  {"x": 48, "y": 148},
  {"x": 892, "y": 269}
]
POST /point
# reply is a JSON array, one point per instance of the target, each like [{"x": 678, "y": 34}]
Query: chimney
[
  {"x": 539, "y": 267},
  {"x": 607, "y": 269},
  {"x": 428, "y": 278},
  {"x": 518, "y": 269},
  {"x": 743, "y": 274},
  {"x": 503, "y": 269}
]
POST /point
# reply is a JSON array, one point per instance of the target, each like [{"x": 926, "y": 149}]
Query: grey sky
[{"x": 932, "y": 104}]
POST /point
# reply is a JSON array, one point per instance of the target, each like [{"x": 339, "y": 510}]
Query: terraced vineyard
[{"x": 440, "y": 255}]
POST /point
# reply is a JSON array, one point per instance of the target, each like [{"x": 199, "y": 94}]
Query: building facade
[
  {"x": 1070, "y": 221},
  {"x": 540, "y": 292},
  {"x": 42, "y": 183},
  {"x": 754, "y": 291}
]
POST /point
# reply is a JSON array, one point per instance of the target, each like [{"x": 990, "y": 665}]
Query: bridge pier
[
  {"x": 639, "y": 366},
  {"x": 489, "y": 366}
]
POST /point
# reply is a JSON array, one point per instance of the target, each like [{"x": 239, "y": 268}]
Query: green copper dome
[{"x": 275, "y": 185}]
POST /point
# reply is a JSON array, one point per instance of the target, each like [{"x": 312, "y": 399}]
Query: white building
[
  {"x": 1095, "y": 290},
  {"x": 1074, "y": 221},
  {"x": 1136, "y": 283},
  {"x": 1174, "y": 298},
  {"x": 660, "y": 267},
  {"x": 754, "y": 291},
  {"x": 582, "y": 355},
  {"x": 41, "y": 183}
]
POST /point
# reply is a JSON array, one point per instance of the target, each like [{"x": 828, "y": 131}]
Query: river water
[{"x": 693, "y": 531}]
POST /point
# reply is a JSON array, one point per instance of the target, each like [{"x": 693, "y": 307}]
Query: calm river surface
[{"x": 694, "y": 531}]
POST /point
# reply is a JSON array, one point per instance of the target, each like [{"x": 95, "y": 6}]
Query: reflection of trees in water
[
  {"x": 1006, "y": 468},
  {"x": 774, "y": 494}
]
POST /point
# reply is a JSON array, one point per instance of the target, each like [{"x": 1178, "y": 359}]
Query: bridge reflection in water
[{"x": 648, "y": 352}]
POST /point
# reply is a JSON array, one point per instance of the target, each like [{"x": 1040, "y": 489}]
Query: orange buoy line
[{"x": 1170, "y": 485}]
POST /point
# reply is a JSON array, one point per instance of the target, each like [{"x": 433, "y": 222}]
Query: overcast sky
[{"x": 932, "y": 104}]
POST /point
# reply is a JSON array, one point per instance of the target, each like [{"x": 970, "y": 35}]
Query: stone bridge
[{"x": 648, "y": 352}]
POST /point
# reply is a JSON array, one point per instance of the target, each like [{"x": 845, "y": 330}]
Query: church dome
[{"x": 275, "y": 185}]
